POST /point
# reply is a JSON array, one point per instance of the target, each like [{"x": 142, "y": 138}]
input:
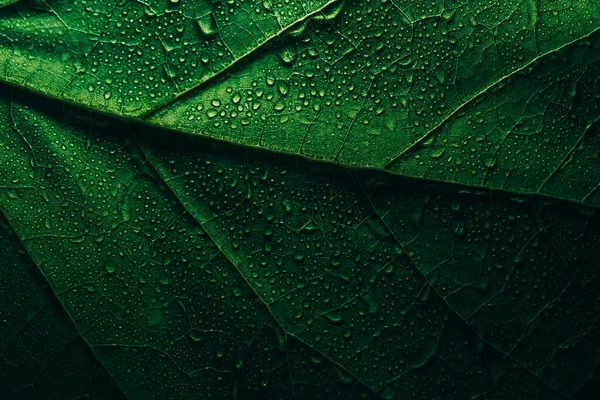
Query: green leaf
[
  {"x": 42, "y": 355},
  {"x": 130, "y": 57},
  {"x": 464, "y": 92},
  {"x": 438, "y": 237},
  {"x": 190, "y": 266},
  {"x": 160, "y": 305}
]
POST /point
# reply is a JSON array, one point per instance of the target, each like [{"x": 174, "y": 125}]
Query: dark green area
[
  {"x": 196, "y": 270},
  {"x": 42, "y": 356},
  {"x": 409, "y": 211}
]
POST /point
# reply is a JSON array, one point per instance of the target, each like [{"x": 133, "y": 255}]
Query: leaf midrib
[
  {"x": 347, "y": 167},
  {"x": 381, "y": 169}
]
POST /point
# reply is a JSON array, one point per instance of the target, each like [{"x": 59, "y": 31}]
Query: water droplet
[
  {"x": 330, "y": 12},
  {"x": 279, "y": 105},
  {"x": 207, "y": 25},
  {"x": 437, "y": 153},
  {"x": 334, "y": 316},
  {"x": 164, "y": 281},
  {"x": 283, "y": 87},
  {"x": 288, "y": 57},
  {"x": 90, "y": 287},
  {"x": 297, "y": 30}
]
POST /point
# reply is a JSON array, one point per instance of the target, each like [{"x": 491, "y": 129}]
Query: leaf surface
[
  {"x": 191, "y": 266},
  {"x": 42, "y": 356},
  {"x": 489, "y": 94},
  {"x": 160, "y": 305}
]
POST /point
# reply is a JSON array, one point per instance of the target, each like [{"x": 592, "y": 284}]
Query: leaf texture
[
  {"x": 193, "y": 267},
  {"x": 496, "y": 94},
  {"x": 42, "y": 356},
  {"x": 299, "y": 199}
]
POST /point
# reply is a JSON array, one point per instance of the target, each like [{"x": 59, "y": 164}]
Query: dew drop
[
  {"x": 283, "y": 87},
  {"x": 288, "y": 57},
  {"x": 207, "y": 25}
]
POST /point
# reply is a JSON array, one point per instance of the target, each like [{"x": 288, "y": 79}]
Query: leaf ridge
[
  {"x": 485, "y": 91},
  {"x": 235, "y": 61},
  {"x": 385, "y": 169},
  {"x": 234, "y": 265}
]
